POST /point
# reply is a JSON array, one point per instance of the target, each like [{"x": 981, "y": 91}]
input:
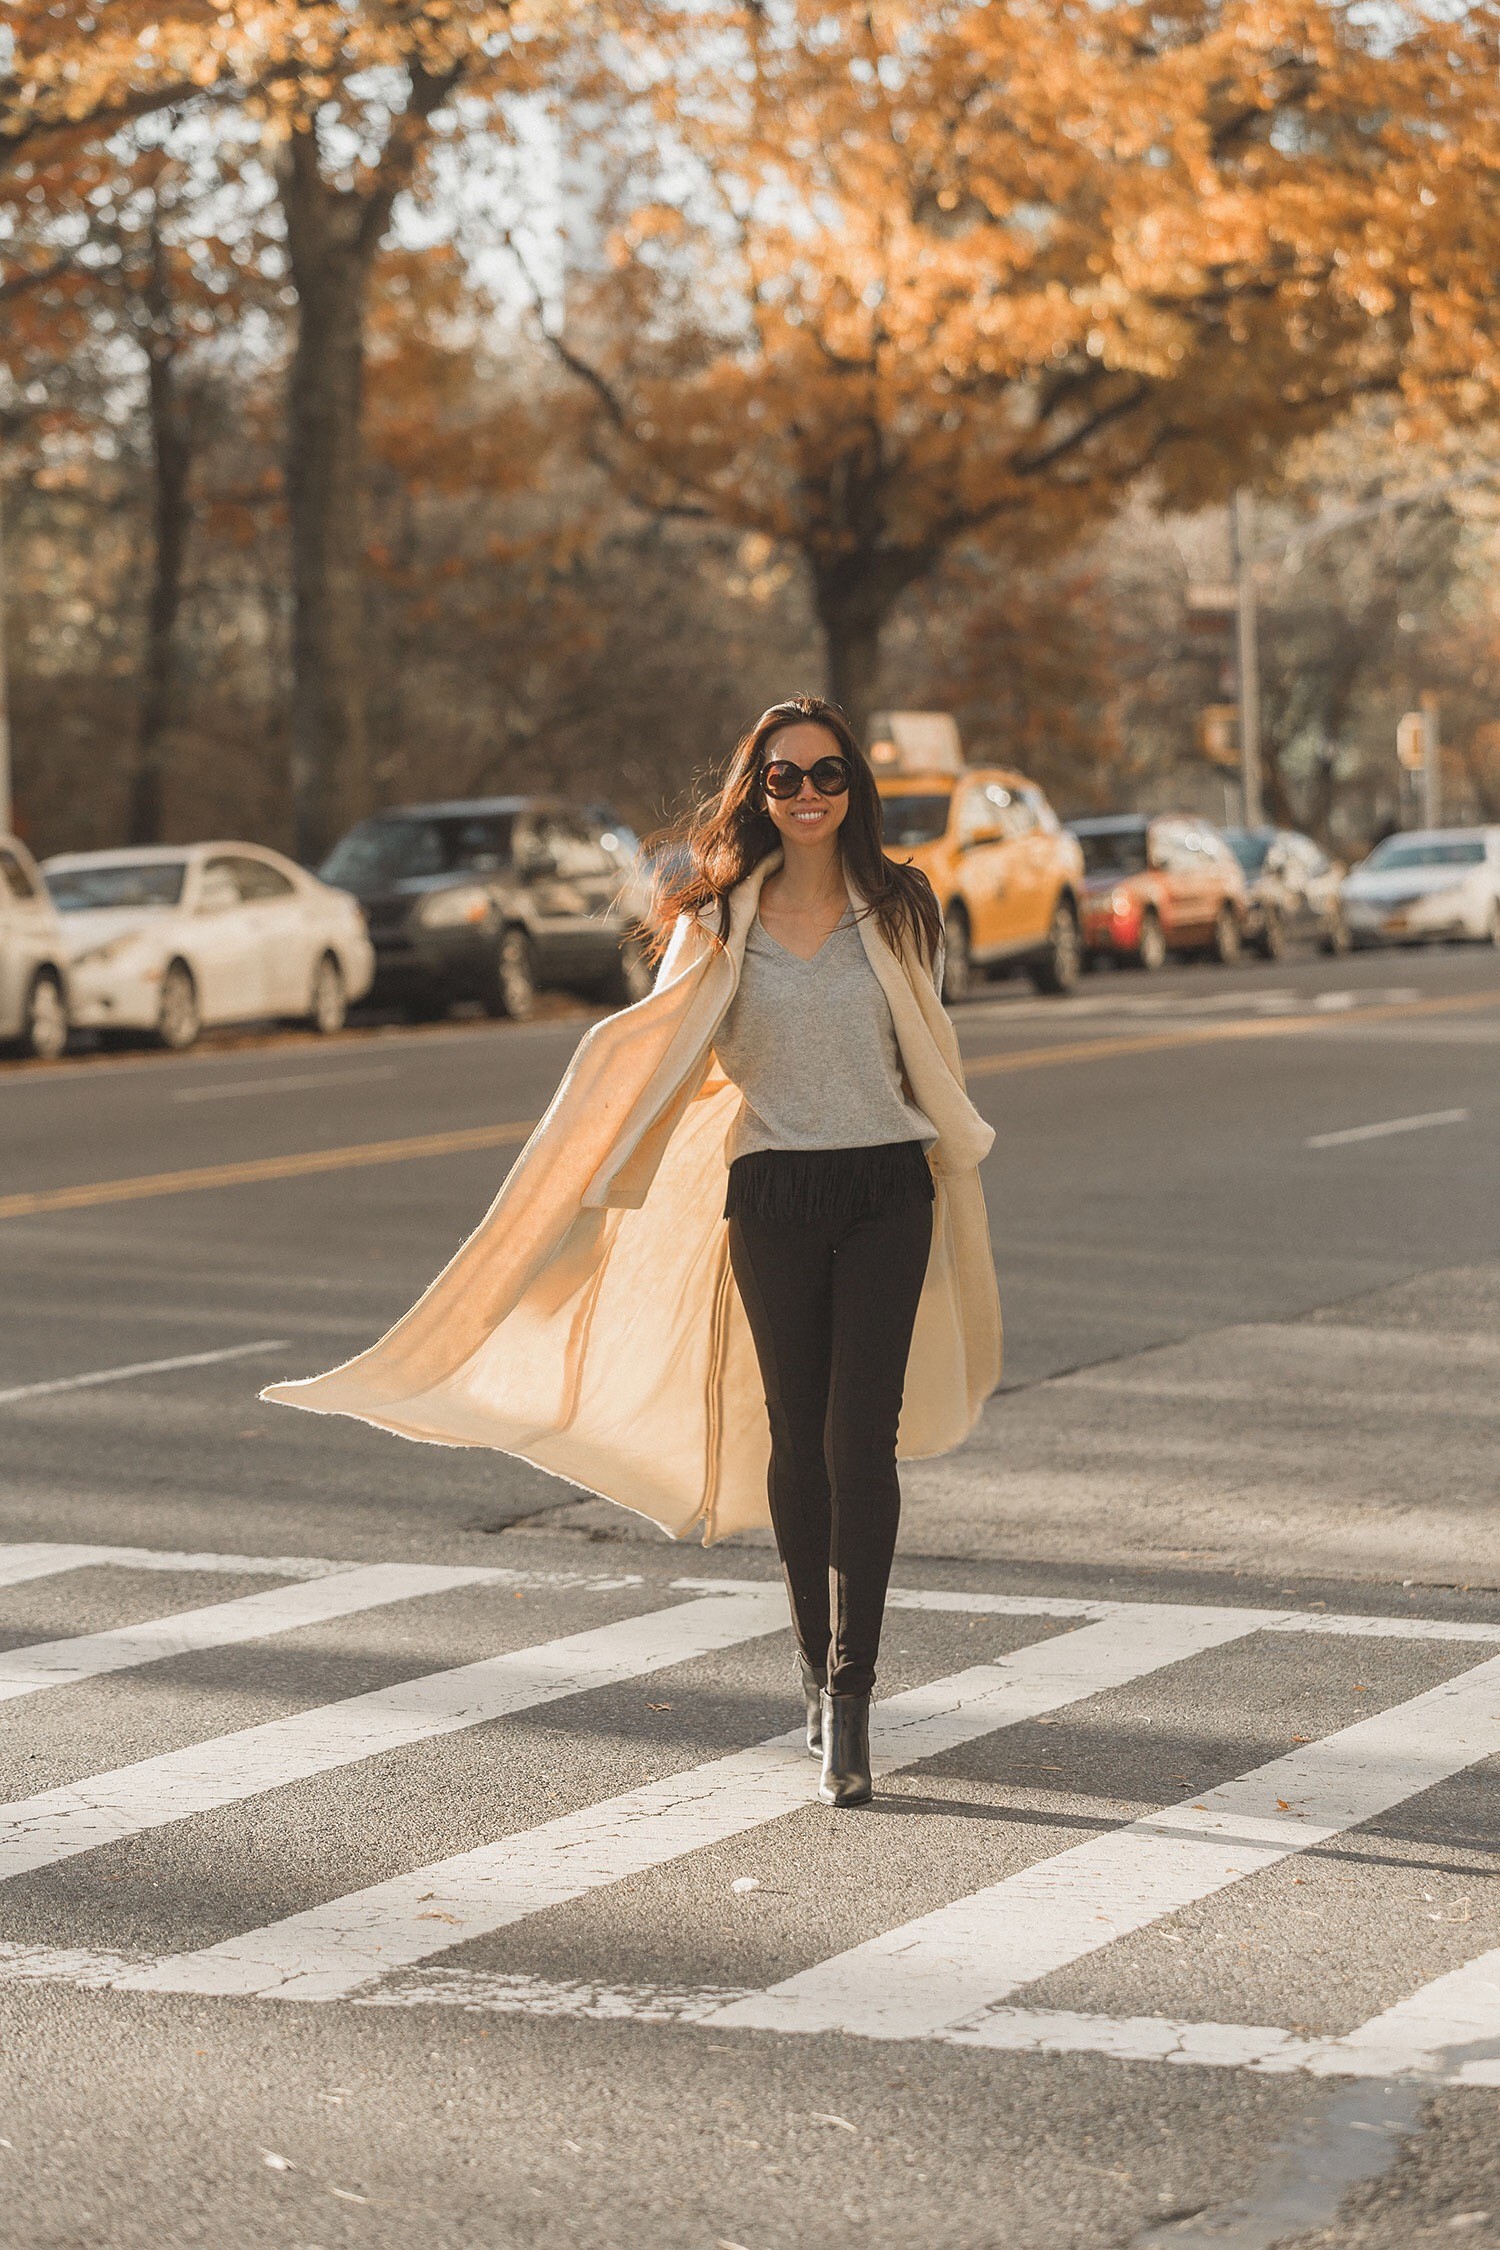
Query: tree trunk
[
  {"x": 852, "y": 613},
  {"x": 330, "y": 257},
  {"x": 171, "y": 467}
]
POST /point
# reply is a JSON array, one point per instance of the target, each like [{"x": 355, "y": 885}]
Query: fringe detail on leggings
[{"x": 828, "y": 1186}]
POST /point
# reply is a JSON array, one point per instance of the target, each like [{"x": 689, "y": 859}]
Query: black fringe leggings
[{"x": 829, "y": 1249}]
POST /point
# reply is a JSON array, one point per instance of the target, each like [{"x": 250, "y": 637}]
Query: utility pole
[
  {"x": 1242, "y": 540},
  {"x": 1432, "y": 768}
]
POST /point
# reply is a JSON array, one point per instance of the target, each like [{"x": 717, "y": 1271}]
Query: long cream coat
[{"x": 591, "y": 1324}]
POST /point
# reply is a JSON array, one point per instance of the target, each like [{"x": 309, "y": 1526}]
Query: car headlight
[{"x": 447, "y": 910}]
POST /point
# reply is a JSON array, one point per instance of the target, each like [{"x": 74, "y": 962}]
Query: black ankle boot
[
  {"x": 846, "y": 1750},
  {"x": 812, "y": 1689}
]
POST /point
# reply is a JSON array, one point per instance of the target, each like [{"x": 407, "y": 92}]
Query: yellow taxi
[{"x": 1008, "y": 876}]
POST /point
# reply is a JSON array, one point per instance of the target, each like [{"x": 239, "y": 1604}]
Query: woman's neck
[{"x": 810, "y": 875}]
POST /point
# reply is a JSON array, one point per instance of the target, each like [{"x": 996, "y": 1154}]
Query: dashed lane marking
[
  {"x": 1383, "y": 1131},
  {"x": 141, "y": 1367}
]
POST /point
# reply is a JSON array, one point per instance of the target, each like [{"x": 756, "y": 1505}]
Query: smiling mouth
[{"x": 810, "y": 812}]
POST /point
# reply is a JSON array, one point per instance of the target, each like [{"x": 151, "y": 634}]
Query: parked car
[
  {"x": 1007, "y": 875},
  {"x": 1294, "y": 890},
  {"x": 33, "y": 958},
  {"x": 167, "y": 938},
  {"x": 490, "y": 900},
  {"x": 1159, "y": 885},
  {"x": 1428, "y": 883}
]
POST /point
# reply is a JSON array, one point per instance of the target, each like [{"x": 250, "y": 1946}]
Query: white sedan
[
  {"x": 1426, "y": 883},
  {"x": 168, "y": 938}
]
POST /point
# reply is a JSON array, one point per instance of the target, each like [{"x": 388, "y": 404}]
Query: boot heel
[{"x": 846, "y": 1750}]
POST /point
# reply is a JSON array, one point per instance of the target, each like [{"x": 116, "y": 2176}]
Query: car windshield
[
  {"x": 156, "y": 882},
  {"x": 915, "y": 820},
  {"x": 1426, "y": 851},
  {"x": 380, "y": 852},
  {"x": 1113, "y": 851},
  {"x": 1248, "y": 848}
]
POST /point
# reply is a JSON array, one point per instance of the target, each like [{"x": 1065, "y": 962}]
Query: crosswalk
[{"x": 958, "y": 1971}]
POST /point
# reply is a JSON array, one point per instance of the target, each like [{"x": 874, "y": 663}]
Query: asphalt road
[{"x": 344, "y": 1906}]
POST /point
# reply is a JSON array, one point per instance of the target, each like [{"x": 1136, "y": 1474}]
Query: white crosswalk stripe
[
  {"x": 49, "y": 1664},
  {"x": 38, "y": 1831},
  {"x": 948, "y": 1967},
  {"x": 333, "y": 1949},
  {"x": 957, "y": 1974}
]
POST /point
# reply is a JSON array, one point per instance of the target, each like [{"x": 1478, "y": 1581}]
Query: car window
[
  {"x": 1427, "y": 851},
  {"x": 479, "y": 845},
  {"x": 75, "y": 890},
  {"x": 1046, "y": 818},
  {"x": 1011, "y": 810},
  {"x": 982, "y": 810},
  {"x": 15, "y": 879},
  {"x": 1113, "y": 851},
  {"x": 219, "y": 885},
  {"x": 575, "y": 846},
  {"x": 258, "y": 879},
  {"x": 384, "y": 851},
  {"x": 916, "y": 819}
]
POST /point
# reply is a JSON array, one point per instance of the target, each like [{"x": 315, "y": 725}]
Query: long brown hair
[{"x": 726, "y": 836}]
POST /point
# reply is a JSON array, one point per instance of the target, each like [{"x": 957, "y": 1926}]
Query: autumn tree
[{"x": 882, "y": 282}]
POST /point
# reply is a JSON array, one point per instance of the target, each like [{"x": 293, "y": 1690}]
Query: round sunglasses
[{"x": 783, "y": 777}]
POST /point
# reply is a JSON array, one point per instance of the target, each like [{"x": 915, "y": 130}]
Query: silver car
[
  {"x": 33, "y": 958},
  {"x": 1427, "y": 883}
]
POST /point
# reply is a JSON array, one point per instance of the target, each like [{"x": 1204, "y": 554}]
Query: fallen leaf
[
  {"x": 275, "y": 2163},
  {"x": 745, "y": 1883},
  {"x": 658, "y": 1706},
  {"x": 347, "y": 2195},
  {"x": 1282, "y": 1805},
  {"x": 829, "y": 2117},
  {"x": 434, "y": 1916}
]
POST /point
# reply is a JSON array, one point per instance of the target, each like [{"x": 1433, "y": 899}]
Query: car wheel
[
  {"x": 330, "y": 999},
  {"x": 513, "y": 985},
  {"x": 1226, "y": 940},
  {"x": 958, "y": 959},
  {"x": 1151, "y": 946},
  {"x": 1062, "y": 964},
  {"x": 632, "y": 977},
  {"x": 44, "y": 1031},
  {"x": 1336, "y": 938},
  {"x": 179, "y": 1018},
  {"x": 1270, "y": 939}
]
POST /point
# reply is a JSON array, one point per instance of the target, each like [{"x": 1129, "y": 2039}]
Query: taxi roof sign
[{"x": 915, "y": 742}]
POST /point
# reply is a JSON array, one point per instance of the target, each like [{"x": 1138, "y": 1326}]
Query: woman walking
[{"x": 792, "y": 1074}]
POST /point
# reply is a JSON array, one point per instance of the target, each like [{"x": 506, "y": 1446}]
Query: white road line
[
  {"x": 1046, "y": 1605},
  {"x": 43, "y": 1558},
  {"x": 50, "y": 1664},
  {"x": 944, "y": 1969},
  {"x": 280, "y": 1085},
  {"x": 142, "y": 1367},
  {"x": 1392, "y": 1125},
  {"x": 333, "y": 1949},
  {"x": 59, "y": 1823},
  {"x": 1451, "y": 2026}
]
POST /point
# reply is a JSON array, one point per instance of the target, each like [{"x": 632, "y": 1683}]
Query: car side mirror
[{"x": 976, "y": 836}]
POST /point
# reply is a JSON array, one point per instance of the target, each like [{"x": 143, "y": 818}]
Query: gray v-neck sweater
[{"x": 812, "y": 1048}]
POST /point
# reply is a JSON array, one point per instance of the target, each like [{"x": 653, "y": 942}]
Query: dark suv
[{"x": 491, "y": 899}]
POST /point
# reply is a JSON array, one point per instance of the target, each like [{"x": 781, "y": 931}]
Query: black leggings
[{"x": 831, "y": 1303}]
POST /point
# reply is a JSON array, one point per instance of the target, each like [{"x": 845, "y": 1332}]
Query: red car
[{"x": 1159, "y": 885}]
